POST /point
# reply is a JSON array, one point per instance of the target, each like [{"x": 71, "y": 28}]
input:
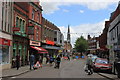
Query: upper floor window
[
  {"x": 33, "y": 14},
  {"x": 38, "y": 17},
  {"x": 20, "y": 23},
  {"x": 17, "y": 22}
]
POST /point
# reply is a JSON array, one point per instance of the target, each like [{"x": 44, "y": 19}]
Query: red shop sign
[
  {"x": 16, "y": 28},
  {"x": 50, "y": 42},
  {"x": 4, "y": 41}
]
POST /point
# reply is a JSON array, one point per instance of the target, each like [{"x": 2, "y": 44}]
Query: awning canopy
[{"x": 39, "y": 49}]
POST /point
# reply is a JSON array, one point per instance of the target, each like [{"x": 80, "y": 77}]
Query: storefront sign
[
  {"x": 30, "y": 30},
  {"x": 35, "y": 43},
  {"x": 50, "y": 42},
  {"x": 16, "y": 28},
  {"x": 5, "y": 41}
]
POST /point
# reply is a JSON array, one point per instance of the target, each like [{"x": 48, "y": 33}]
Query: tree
[{"x": 81, "y": 44}]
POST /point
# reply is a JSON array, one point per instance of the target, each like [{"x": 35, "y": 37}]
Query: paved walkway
[
  {"x": 14, "y": 72},
  {"x": 110, "y": 76}
]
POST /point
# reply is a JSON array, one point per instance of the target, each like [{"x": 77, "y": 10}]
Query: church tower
[
  {"x": 67, "y": 43},
  {"x": 68, "y": 35}
]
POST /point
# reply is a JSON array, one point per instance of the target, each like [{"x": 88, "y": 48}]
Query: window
[
  {"x": 111, "y": 33},
  {"x": 33, "y": 13},
  {"x": 55, "y": 39},
  {"x": 24, "y": 26},
  {"x": 38, "y": 17},
  {"x": 117, "y": 31},
  {"x": 14, "y": 49},
  {"x": 17, "y": 22},
  {"x": 21, "y": 25},
  {"x": 5, "y": 54},
  {"x": 37, "y": 33},
  {"x": 2, "y": 14}
]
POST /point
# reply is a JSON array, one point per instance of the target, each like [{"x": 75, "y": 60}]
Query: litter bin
[{"x": 118, "y": 69}]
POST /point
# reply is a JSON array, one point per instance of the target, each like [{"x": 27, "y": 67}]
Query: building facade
[
  {"x": 113, "y": 36},
  {"x": 20, "y": 32},
  {"x": 52, "y": 38},
  {"x": 93, "y": 44},
  {"x": 6, "y": 17},
  {"x": 103, "y": 48}
]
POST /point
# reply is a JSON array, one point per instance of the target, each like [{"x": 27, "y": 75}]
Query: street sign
[{"x": 37, "y": 65}]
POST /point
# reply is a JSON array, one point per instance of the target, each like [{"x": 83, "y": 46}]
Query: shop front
[
  {"x": 52, "y": 50},
  {"x": 5, "y": 46},
  {"x": 20, "y": 46},
  {"x": 37, "y": 50}
]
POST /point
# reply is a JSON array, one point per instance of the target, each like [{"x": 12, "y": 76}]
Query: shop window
[
  {"x": 0, "y": 55},
  {"x": 14, "y": 50},
  {"x": 5, "y": 54},
  {"x": 55, "y": 39},
  {"x": 20, "y": 49}
]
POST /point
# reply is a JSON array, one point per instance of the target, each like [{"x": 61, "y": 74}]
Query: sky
[{"x": 84, "y": 16}]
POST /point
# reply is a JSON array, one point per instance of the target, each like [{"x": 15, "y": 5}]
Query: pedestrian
[
  {"x": 32, "y": 60},
  {"x": 51, "y": 60},
  {"x": 40, "y": 60},
  {"x": 54, "y": 57},
  {"x": 68, "y": 57},
  {"x": 58, "y": 60},
  {"x": 117, "y": 65},
  {"x": 18, "y": 61},
  {"x": 89, "y": 63},
  {"x": 47, "y": 59}
]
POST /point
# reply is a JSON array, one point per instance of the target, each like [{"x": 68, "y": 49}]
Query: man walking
[
  {"x": 18, "y": 61},
  {"x": 32, "y": 58},
  {"x": 89, "y": 63}
]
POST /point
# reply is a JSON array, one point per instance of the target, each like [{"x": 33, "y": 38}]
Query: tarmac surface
[{"x": 25, "y": 69}]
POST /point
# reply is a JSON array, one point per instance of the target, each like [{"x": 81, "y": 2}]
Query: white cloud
[
  {"x": 81, "y": 11},
  {"x": 49, "y": 6},
  {"x": 84, "y": 30}
]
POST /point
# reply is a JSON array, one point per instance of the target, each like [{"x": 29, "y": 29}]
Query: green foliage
[{"x": 81, "y": 44}]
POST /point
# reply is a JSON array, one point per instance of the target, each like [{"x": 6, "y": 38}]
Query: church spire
[{"x": 68, "y": 35}]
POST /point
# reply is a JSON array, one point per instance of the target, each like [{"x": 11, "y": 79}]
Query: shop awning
[{"x": 39, "y": 49}]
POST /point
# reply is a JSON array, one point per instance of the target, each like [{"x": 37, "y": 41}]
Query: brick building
[
  {"x": 93, "y": 43},
  {"x": 103, "y": 50},
  {"x": 20, "y": 32},
  {"x": 113, "y": 36},
  {"x": 52, "y": 38}
]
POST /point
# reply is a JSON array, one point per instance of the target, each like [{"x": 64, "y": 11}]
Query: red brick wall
[
  {"x": 31, "y": 8},
  {"x": 21, "y": 16}
]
